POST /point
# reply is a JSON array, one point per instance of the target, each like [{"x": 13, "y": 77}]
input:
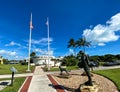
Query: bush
[
  {"x": 24, "y": 63},
  {"x": 70, "y": 60}
]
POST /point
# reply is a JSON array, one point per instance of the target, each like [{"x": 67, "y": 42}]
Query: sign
[{"x": 13, "y": 69}]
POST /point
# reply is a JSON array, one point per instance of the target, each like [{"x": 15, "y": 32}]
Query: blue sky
[{"x": 97, "y": 20}]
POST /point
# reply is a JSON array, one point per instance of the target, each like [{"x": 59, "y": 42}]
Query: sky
[{"x": 97, "y": 20}]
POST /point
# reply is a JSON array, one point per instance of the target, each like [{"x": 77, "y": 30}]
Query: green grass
[
  {"x": 72, "y": 67},
  {"x": 101, "y": 63},
  {"x": 112, "y": 74},
  {"x": 16, "y": 85},
  {"x": 5, "y": 68}
]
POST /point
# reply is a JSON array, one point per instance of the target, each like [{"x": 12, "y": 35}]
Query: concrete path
[
  {"x": 16, "y": 75},
  {"x": 107, "y": 67},
  {"x": 40, "y": 82}
]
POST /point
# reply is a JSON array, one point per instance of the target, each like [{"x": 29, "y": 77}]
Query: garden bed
[{"x": 72, "y": 84}]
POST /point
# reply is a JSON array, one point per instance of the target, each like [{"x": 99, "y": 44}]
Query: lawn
[
  {"x": 5, "y": 68},
  {"x": 112, "y": 74},
  {"x": 16, "y": 85}
]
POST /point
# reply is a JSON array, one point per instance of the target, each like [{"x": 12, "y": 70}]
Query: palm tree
[
  {"x": 72, "y": 43},
  {"x": 82, "y": 43}
]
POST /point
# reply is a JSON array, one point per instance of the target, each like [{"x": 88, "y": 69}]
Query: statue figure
[
  {"x": 62, "y": 68},
  {"x": 85, "y": 65}
]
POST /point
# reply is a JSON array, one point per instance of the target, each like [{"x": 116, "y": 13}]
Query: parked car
[
  {"x": 113, "y": 63},
  {"x": 93, "y": 64},
  {"x": 14, "y": 62}
]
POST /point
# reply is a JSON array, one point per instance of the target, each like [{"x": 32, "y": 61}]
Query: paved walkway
[{"x": 40, "y": 82}]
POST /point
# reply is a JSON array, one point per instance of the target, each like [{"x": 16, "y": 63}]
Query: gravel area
[{"x": 73, "y": 83}]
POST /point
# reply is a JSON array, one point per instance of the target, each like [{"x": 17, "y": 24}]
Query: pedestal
[
  {"x": 94, "y": 88},
  {"x": 28, "y": 71}
]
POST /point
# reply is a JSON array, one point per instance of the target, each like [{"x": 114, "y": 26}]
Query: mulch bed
[{"x": 73, "y": 83}]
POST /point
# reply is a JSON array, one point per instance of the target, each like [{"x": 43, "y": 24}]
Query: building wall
[
  {"x": 1, "y": 60},
  {"x": 42, "y": 60}
]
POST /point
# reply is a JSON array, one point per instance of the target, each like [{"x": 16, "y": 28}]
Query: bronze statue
[
  {"x": 85, "y": 65},
  {"x": 62, "y": 68}
]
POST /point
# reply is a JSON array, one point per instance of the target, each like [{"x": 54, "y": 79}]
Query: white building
[{"x": 43, "y": 60}]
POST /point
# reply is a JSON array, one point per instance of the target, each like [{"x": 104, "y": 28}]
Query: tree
[
  {"x": 72, "y": 43},
  {"x": 33, "y": 54},
  {"x": 70, "y": 60},
  {"x": 5, "y": 61},
  {"x": 94, "y": 58},
  {"x": 82, "y": 43},
  {"x": 109, "y": 57},
  {"x": 117, "y": 56}
]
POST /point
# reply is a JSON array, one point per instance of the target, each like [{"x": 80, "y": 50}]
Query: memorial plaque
[{"x": 13, "y": 69}]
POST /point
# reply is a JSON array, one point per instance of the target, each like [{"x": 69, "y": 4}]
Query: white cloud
[
  {"x": 20, "y": 57},
  {"x": 70, "y": 52},
  {"x": 12, "y": 43},
  {"x": 9, "y": 53},
  {"x": 101, "y": 44},
  {"x": 42, "y": 41},
  {"x": 12, "y": 53},
  {"x": 40, "y": 51},
  {"x": 2, "y": 51},
  {"x": 43, "y": 52},
  {"x": 102, "y": 34}
]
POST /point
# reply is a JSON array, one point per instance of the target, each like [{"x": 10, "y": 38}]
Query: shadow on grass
[{"x": 4, "y": 83}]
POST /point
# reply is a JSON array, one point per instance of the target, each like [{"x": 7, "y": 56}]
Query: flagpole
[
  {"x": 29, "y": 50},
  {"x": 48, "y": 44},
  {"x": 28, "y": 70}
]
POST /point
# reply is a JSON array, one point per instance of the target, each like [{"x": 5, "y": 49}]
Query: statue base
[
  {"x": 28, "y": 71},
  {"x": 94, "y": 88}
]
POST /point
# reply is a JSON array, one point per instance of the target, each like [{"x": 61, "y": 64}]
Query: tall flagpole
[
  {"x": 48, "y": 43},
  {"x": 30, "y": 43}
]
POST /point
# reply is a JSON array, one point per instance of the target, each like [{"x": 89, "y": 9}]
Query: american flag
[
  {"x": 47, "y": 23},
  {"x": 31, "y": 26}
]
